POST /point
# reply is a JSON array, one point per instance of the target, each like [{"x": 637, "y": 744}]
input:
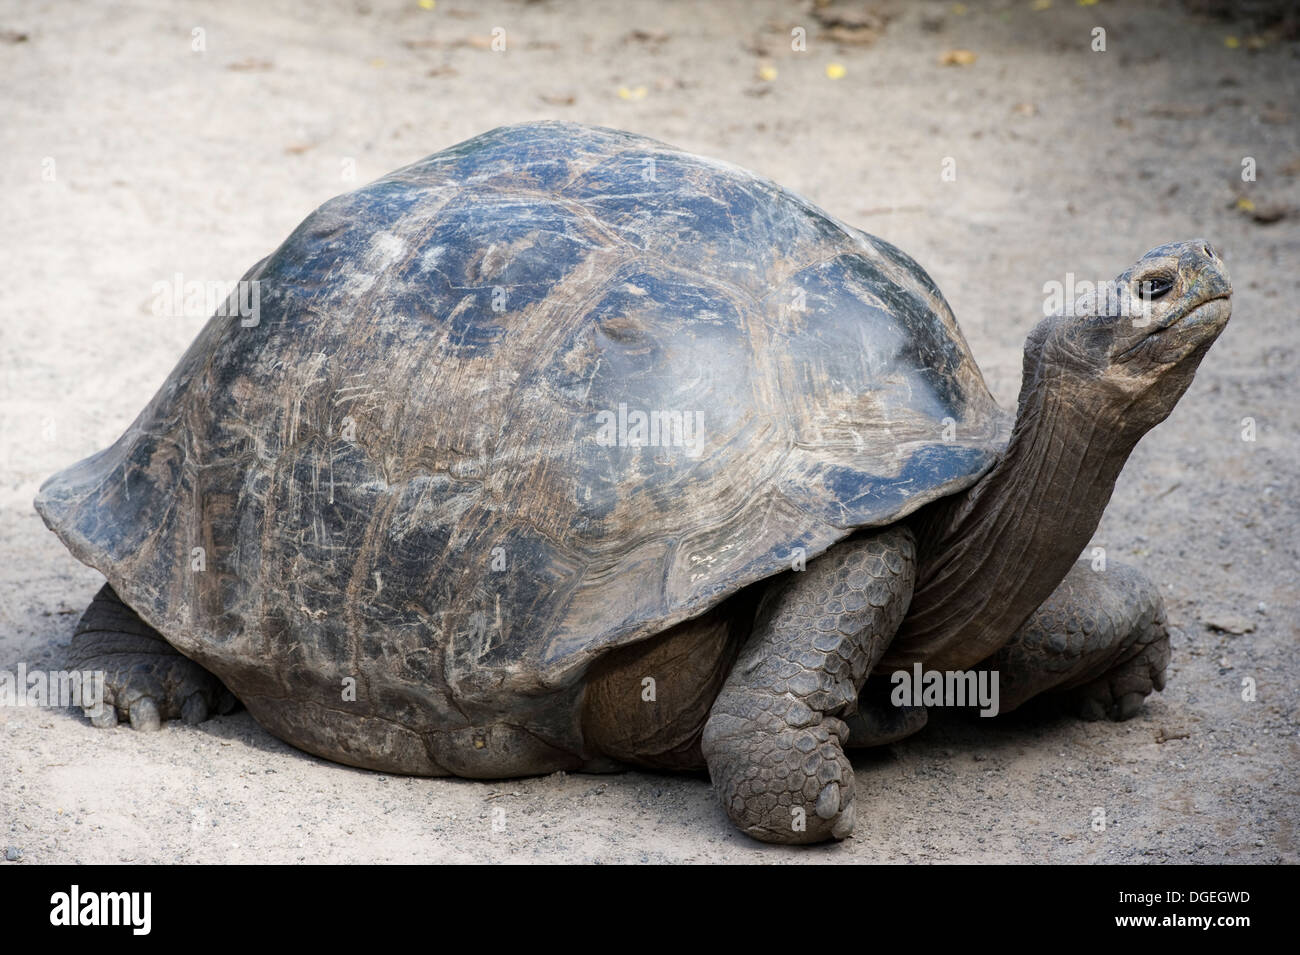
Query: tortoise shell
[{"x": 539, "y": 395}]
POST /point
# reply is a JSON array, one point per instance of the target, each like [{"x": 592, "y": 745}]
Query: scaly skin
[
  {"x": 146, "y": 680},
  {"x": 774, "y": 741},
  {"x": 1102, "y": 637}
]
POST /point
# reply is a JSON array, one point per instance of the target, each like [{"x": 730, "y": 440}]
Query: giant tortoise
[{"x": 564, "y": 449}]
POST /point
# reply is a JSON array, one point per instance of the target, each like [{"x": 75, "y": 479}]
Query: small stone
[
  {"x": 1228, "y": 623},
  {"x": 13, "y": 854}
]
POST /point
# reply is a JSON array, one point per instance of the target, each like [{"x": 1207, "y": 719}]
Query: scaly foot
[{"x": 146, "y": 680}]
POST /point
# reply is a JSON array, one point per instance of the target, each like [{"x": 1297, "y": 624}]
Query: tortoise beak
[{"x": 1209, "y": 316}]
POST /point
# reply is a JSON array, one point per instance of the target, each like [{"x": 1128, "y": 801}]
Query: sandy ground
[{"x": 127, "y": 156}]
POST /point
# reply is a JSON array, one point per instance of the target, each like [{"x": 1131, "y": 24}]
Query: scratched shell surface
[{"x": 399, "y": 474}]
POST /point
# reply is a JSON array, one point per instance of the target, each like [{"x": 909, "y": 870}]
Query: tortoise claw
[
  {"x": 144, "y": 714},
  {"x": 195, "y": 709},
  {"x": 103, "y": 716},
  {"x": 828, "y": 803},
  {"x": 1127, "y": 706}
]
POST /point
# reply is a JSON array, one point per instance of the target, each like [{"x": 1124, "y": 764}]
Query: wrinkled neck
[{"x": 989, "y": 557}]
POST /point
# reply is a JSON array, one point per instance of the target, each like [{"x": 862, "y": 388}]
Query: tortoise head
[
  {"x": 1128, "y": 350},
  {"x": 1098, "y": 375}
]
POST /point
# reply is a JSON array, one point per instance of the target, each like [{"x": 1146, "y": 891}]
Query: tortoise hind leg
[
  {"x": 774, "y": 741},
  {"x": 878, "y": 722},
  {"x": 1101, "y": 641},
  {"x": 646, "y": 704},
  {"x": 146, "y": 680}
]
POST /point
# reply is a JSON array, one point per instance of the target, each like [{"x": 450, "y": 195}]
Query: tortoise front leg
[
  {"x": 1102, "y": 638},
  {"x": 774, "y": 741}
]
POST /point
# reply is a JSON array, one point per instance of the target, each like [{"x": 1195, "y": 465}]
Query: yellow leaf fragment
[
  {"x": 835, "y": 71},
  {"x": 956, "y": 58}
]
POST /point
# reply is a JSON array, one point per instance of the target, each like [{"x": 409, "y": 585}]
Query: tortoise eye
[{"x": 1154, "y": 288}]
